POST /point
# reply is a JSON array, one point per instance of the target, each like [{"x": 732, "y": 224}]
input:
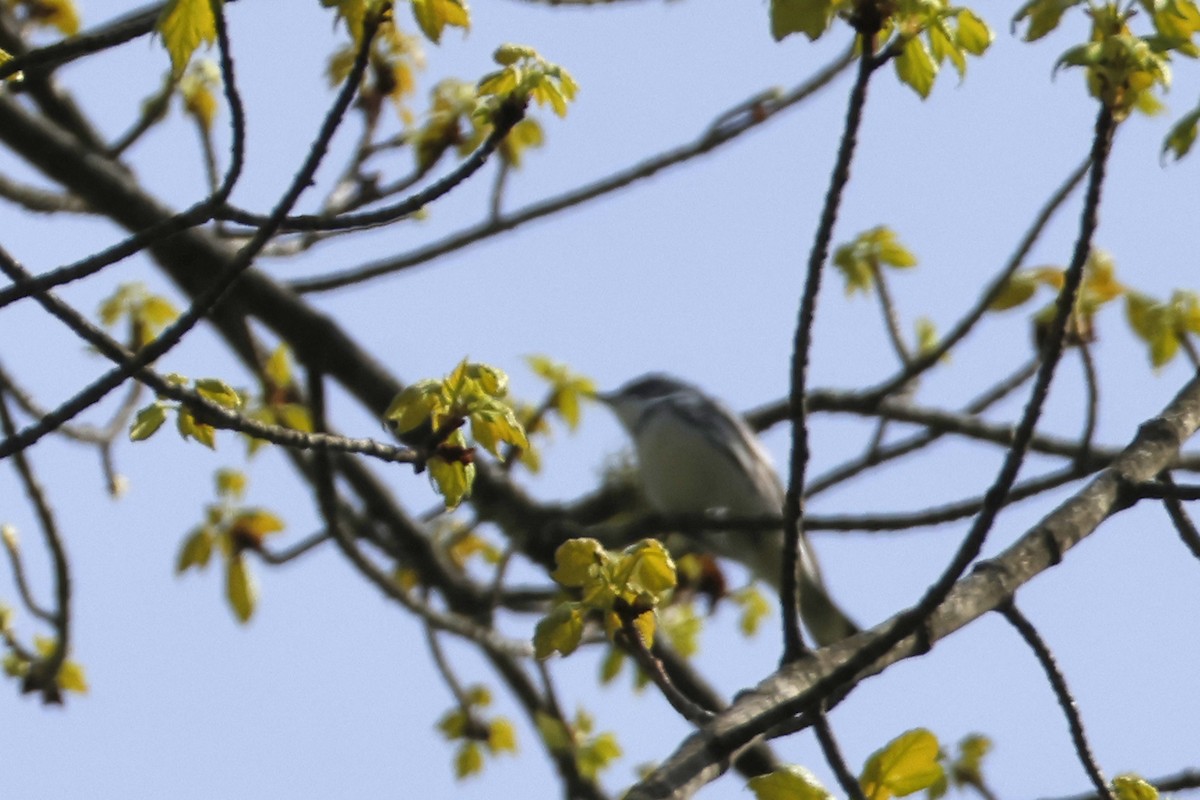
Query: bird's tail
[{"x": 821, "y": 615}]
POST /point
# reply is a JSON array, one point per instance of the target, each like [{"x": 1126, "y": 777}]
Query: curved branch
[{"x": 1059, "y": 684}]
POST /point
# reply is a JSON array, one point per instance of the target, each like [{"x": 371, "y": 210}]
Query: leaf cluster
[
  {"x": 1162, "y": 326},
  {"x": 145, "y": 313},
  {"x": 230, "y": 530},
  {"x": 525, "y": 74},
  {"x": 623, "y": 589},
  {"x": 922, "y": 35},
  {"x": 591, "y": 752},
  {"x": 435, "y": 412},
  {"x": 477, "y": 736}
]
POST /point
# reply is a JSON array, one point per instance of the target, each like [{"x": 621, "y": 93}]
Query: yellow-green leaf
[
  {"x": 257, "y": 522},
  {"x": 791, "y": 782},
  {"x": 755, "y": 609},
  {"x": 5, "y": 57},
  {"x": 610, "y": 667},
  {"x": 240, "y": 588},
  {"x": 810, "y": 17},
  {"x": 72, "y": 678},
  {"x": 198, "y": 89},
  {"x": 915, "y": 67},
  {"x": 1133, "y": 787},
  {"x": 147, "y": 422},
  {"x": 502, "y": 736},
  {"x": 905, "y": 765},
  {"x": 230, "y": 483},
  {"x": 189, "y": 428},
  {"x": 1182, "y": 135},
  {"x": 575, "y": 561},
  {"x": 414, "y": 405},
  {"x": 278, "y": 368},
  {"x": 1043, "y": 16},
  {"x": 561, "y": 630},
  {"x": 184, "y": 25},
  {"x": 219, "y": 392},
  {"x": 973, "y": 34},
  {"x": 968, "y": 767},
  {"x": 468, "y": 761},
  {"x": 196, "y": 551},
  {"x": 553, "y": 732},
  {"x": 598, "y": 754},
  {"x": 452, "y": 479},
  {"x": 433, "y": 16},
  {"x": 648, "y": 567}
]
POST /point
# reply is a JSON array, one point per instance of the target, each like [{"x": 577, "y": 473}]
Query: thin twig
[
  {"x": 793, "y": 510},
  {"x": 19, "y": 577},
  {"x": 834, "y": 757},
  {"x": 927, "y": 359},
  {"x": 1180, "y": 518},
  {"x": 43, "y": 673},
  {"x": 205, "y": 410},
  {"x": 224, "y": 282},
  {"x": 708, "y": 141},
  {"x": 1092, "y": 407},
  {"x": 876, "y": 456},
  {"x": 1180, "y": 781},
  {"x": 891, "y": 319},
  {"x": 1059, "y": 684},
  {"x": 635, "y": 645},
  {"x": 510, "y": 113}
]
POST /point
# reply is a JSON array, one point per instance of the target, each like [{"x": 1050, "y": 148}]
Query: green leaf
[
  {"x": 257, "y": 523},
  {"x": 278, "y": 369},
  {"x": 905, "y": 765},
  {"x": 610, "y": 667},
  {"x": 147, "y": 422},
  {"x": 240, "y": 589},
  {"x": 682, "y": 627},
  {"x": 1133, "y": 787},
  {"x": 810, "y": 17},
  {"x": 755, "y": 608},
  {"x": 184, "y": 25},
  {"x": 598, "y": 754},
  {"x": 5, "y": 57},
  {"x": 968, "y": 767},
  {"x": 414, "y": 405},
  {"x": 502, "y": 736},
  {"x": 433, "y": 16},
  {"x": 1043, "y": 15},
  {"x": 575, "y": 561},
  {"x": 915, "y": 67},
  {"x": 452, "y": 479},
  {"x": 561, "y": 630},
  {"x": 927, "y": 337},
  {"x": 72, "y": 678},
  {"x": 791, "y": 782},
  {"x": 453, "y": 724},
  {"x": 1182, "y": 135},
  {"x": 219, "y": 392},
  {"x": 468, "y": 761},
  {"x": 196, "y": 551},
  {"x": 973, "y": 34},
  {"x": 189, "y": 428},
  {"x": 553, "y": 732},
  {"x": 647, "y": 568},
  {"x": 230, "y": 483}
]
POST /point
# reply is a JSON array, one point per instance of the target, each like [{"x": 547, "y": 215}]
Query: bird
[{"x": 695, "y": 455}]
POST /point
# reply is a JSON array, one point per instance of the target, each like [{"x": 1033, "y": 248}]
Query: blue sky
[{"x": 330, "y": 692}]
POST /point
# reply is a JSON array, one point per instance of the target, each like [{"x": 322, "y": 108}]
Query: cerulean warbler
[{"x": 694, "y": 455}]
